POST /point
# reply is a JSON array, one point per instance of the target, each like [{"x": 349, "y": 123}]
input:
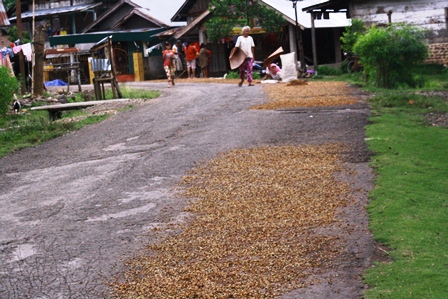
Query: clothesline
[
  {"x": 7, "y": 53},
  {"x": 158, "y": 46},
  {"x": 25, "y": 48}
]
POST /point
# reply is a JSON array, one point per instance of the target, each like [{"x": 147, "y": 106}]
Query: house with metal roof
[
  {"x": 70, "y": 16},
  {"x": 429, "y": 15},
  {"x": 133, "y": 25},
  {"x": 4, "y": 24},
  {"x": 328, "y": 32}
]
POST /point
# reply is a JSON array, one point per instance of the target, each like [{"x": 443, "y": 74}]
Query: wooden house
[
  {"x": 63, "y": 16},
  {"x": 430, "y": 15},
  {"x": 133, "y": 25},
  {"x": 196, "y": 13}
]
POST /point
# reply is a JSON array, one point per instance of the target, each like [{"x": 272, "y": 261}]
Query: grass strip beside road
[
  {"x": 31, "y": 128},
  {"x": 409, "y": 205}
]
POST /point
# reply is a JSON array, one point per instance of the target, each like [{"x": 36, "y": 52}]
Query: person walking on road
[
  {"x": 247, "y": 45},
  {"x": 168, "y": 63}
]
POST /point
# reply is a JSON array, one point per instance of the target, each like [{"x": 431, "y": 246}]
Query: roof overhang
[
  {"x": 182, "y": 12},
  {"x": 147, "y": 35},
  {"x": 193, "y": 24},
  {"x": 56, "y": 11},
  {"x": 142, "y": 13},
  {"x": 332, "y": 6}
]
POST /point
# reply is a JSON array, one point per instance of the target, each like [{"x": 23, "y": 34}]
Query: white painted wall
[{"x": 425, "y": 14}]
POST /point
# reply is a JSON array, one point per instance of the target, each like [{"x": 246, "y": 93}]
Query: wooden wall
[{"x": 425, "y": 14}]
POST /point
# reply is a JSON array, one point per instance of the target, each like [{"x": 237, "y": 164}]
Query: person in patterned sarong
[{"x": 245, "y": 43}]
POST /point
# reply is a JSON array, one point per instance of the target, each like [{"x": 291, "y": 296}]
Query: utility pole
[
  {"x": 21, "y": 58},
  {"x": 299, "y": 39}
]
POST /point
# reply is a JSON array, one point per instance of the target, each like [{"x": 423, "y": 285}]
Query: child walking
[{"x": 168, "y": 63}]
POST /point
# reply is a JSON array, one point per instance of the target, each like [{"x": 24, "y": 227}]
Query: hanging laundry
[
  {"x": 27, "y": 51},
  {"x": 17, "y": 49},
  {"x": 149, "y": 50},
  {"x": 7, "y": 51},
  {"x": 5, "y": 61}
]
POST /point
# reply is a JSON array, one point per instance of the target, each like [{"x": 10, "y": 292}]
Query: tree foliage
[
  {"x": 13, "y": 35},
  {"x": 8, "y": 85},
  {"x": 8, "y": 3},
  {"x": 227, "y": 14},
  {"x": 351, "y": 34},
  {"x": 389, "y": 54}
]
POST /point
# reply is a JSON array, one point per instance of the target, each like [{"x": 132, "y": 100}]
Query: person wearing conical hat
[{"x": 246, "y": 43}]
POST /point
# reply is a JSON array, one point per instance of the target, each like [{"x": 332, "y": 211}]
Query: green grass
[
  {"x": 130, "y": 93},
  {"x": 235, "y": 75},
  {"x": 34, "y": 127},
  {"x": 425, "y": 77},
  {"x": 409, "y": 205}
]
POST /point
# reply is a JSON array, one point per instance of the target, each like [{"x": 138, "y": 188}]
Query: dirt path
[{"x": 73, "y": 207}]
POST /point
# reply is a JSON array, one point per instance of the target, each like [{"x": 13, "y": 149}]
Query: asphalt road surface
[{"x": 72, "y": 208}]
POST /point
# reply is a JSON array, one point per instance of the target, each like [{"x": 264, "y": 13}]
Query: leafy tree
[
  {"x": 8, "y": 3},
  {"x": 8, "y": 85},
  {"x": 227, "y": 14},
  {"x": 351, "y": 34},
  {"x": 389, "y": 54},
  {"x": 13, "y": 35}
]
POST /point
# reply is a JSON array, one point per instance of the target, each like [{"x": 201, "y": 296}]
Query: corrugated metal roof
[
  {"x": 304, "y": 19},
  {"x": 162, "y": 10},
  {"x": 4, "y": 22},
  {"x": 56, "y": 11},
  {"x": 190, "y": 26},
  {"x": 143, "y": 13},
  {"x": 93, "y": 37}
]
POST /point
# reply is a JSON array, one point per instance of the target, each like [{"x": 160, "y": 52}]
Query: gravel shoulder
[{"x": 75, "y": 207}]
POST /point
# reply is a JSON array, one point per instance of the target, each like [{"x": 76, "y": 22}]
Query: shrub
[
  {"x": 328, "y": 71},
  {"x": 389, "y": 54},
  {"x": 351, "y": 35},
  {"x": 8, "y": 85}
]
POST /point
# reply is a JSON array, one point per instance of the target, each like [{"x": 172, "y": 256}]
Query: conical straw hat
[
  {"x": 273, "y": 57},
  {"x": 238, "y": 58}
]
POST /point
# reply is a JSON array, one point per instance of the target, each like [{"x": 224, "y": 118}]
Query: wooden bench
[{"x": 55, "y": 111}]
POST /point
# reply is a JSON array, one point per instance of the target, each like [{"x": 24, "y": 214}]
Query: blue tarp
[{"x": 56, "y": 82}]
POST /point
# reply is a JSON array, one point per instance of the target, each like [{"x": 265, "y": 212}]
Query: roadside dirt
[{"x": 77, "y": 207}]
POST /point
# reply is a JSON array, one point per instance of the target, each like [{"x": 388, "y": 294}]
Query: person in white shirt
[
  {"x": 177, "y": 50},
  {"x": 246, "y": 44}
]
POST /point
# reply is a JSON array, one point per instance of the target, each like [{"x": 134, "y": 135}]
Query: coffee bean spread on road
[
  {"x": 313, "y": 94},
  {"x": 254, "y": 230}
]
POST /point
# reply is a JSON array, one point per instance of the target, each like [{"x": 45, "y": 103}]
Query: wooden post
[
  {"x": 21, "y": 58},
  {"x": 39, "y": 56},
  {"x": 313, "y": 41}
]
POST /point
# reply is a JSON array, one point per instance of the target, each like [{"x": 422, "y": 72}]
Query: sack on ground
[{"x": 289, "y": 67}]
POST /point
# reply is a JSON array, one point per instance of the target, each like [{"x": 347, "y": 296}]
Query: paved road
[{"x": 72, "y": 208}]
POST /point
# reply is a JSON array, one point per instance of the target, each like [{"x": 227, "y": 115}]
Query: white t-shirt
[{"x": 246, "y": 44}]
